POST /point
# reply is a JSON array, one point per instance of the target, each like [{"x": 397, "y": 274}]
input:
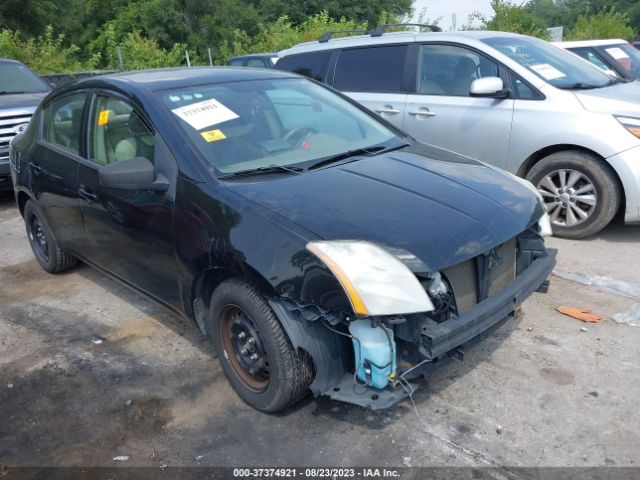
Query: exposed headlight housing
[
  {"x": 376, "y": 282},
  {"x": 631, "y": 124}
]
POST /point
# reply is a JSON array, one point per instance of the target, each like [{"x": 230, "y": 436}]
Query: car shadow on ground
[
  {"x": 617, "y": 232},
  {"x": 6, "y": 198}
]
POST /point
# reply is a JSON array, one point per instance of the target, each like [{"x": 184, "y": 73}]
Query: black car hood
[
  {"x": 439, "y": 206},
  {"x": 22, "y": 100}
]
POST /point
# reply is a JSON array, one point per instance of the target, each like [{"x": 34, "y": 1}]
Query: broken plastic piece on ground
[
  {"x": 631, "y": 290},
  {"x": 631, "y": 317},
  {"x": 121, "y": 458},
  {"x": 582, "y": 314}
]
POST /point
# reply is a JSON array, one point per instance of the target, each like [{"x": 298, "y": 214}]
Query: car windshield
[
  {"x": 554, "y": 65},
  {"x": 625, "y": 55},
  {"x": 270, "y": 124},
  {"x": 16, "y": 78}
]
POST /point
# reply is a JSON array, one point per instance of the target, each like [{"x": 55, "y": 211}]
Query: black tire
[
  {"x": 594, "y": 173},
  {"x": 289, "y": 374},
  {"x": 44, "y": 245}
]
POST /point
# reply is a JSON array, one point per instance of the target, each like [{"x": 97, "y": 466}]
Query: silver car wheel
[{"x": 570, "y": 197}]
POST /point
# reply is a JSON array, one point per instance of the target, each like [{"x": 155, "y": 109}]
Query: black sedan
[{"x": 321, "y": 248}]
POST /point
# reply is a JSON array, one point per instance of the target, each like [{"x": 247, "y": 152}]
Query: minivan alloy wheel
[{"x": 570, "y": 196}]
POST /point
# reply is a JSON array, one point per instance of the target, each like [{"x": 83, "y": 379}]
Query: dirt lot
[{"x": 90, "y": 370}]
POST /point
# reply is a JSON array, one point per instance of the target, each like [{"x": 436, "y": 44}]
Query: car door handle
[
  {"x": 388, "y": 110},
  {"x": 423, "y": 112},
  {"x": 36, "y": 168},
  {"x": 86, "y": 193}
]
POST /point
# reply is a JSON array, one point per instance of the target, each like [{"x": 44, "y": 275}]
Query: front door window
[
  {"x": 450, "y": 70},
  {"x": 118, "y": 132}
]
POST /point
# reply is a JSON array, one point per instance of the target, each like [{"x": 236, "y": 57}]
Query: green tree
[
  {"x": 514, "y": 18},
  {"x": 607, "y": 23},
  {"x": 28, "y": 16},
  {"x": 567, "y": 12},
  {"x": 356, "y": 10},
  {"x": 281, "y": 34},
  {"x": 45, "y": 53}
]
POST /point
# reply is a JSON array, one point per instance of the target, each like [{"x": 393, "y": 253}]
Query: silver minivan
[{"x": 513, "y": 101}]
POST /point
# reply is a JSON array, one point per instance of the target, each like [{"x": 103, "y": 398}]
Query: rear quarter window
[
  {"x": 372, "y": 69},
  {"x": 312, "y": 65},
  {"x": 62, "y": 122}
]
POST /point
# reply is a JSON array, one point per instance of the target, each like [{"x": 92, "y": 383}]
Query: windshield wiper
[
  {"x": 5, "y": 92},
  {"x": 582, "y": 86},
  {"x": 262, "y": 171},
  {"x": 358, "y": 152}
]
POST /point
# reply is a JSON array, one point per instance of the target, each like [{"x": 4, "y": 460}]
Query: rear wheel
[
  {"x": 254, "y": 350},
  {"x": 581, "y": 193},
  {"x": 45, "y": 248}
]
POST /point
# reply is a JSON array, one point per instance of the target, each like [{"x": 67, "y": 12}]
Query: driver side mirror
[
  {"x": 135, "y": 174},
  {"x": 491, "y": 87}
]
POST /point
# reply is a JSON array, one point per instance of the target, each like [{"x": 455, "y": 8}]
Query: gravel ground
[{"x": 90, "y": 370}]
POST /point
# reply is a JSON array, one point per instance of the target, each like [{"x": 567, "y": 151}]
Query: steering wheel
[{"x": 298, "y": 133}]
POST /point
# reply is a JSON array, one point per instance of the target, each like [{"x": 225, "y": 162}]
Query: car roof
[
  {"x": 9, "y": 60},
  {"x": 394, "y": 37},
  {"x": 255, "y": 55},
  {"x": 590, "y": 43},
  {"x": 168, "y": 78}
]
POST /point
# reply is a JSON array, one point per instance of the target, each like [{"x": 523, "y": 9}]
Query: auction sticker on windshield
[
  {"x": 617, "y": 53},
  {"x": 547, "y": 71},
  {"x": 204, "y": 114}
]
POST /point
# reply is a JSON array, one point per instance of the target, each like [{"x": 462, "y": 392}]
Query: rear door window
[
  {"x": 62, "y": 122},
  {"x": 312, "y": 65},
  {"x": 371, "y": 69}
]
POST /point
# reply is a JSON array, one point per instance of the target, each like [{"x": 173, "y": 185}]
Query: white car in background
[{"x": 616, "y": 57}]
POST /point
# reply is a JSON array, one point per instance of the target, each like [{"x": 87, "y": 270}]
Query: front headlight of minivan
[
  {"x": 631, "y": 124},
  {"x": 375, "y": 281}
]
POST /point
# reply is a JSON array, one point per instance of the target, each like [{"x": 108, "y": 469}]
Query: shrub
[{"x": 607, "y": 23}]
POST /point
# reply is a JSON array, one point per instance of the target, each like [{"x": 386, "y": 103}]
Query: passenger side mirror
[
  {"x": 135, "y": 174},
  {"x": 492, "y": 87}
]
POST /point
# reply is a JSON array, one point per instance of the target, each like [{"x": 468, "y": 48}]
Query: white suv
[{"x": 513, "y": 101}]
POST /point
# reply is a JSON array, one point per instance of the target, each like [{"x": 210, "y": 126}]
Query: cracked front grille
[{"x": 488, "y": 273}]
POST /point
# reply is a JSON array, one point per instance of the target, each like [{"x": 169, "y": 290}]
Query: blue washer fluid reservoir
[{"x": 375, "y": 351}]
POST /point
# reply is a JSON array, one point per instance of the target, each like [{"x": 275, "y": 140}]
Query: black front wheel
[
  {"x": 44, "y": 245},
  {"x": 254, "y": 350}
]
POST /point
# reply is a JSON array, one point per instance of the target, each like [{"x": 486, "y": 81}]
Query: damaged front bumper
[{"x": 332, "y": 354}]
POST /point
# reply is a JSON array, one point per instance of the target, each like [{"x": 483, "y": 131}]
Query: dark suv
[{"x": 21, "y": 91}]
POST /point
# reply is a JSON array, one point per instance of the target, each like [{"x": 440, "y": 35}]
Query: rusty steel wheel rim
[{"x": 244, "y": 348}]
